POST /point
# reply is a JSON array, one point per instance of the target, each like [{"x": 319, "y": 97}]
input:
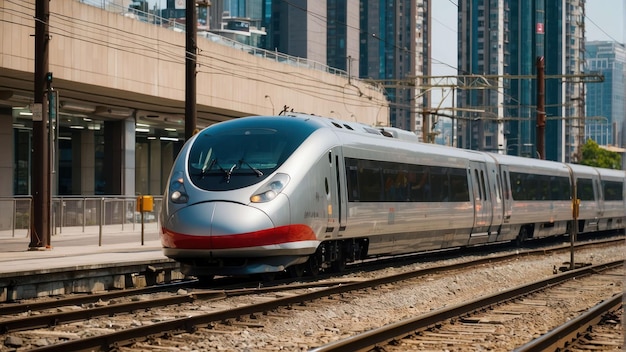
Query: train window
[
  {"x": 395, "y": 183},
  {"x": 438, "y": 184},
  {"x": 539, "y": 187},
  {"x": 517, "y": 186},
  {"x": 483, "y": 185},
  {"x": 370, "y": 189},
  {"x": 498, "y": 190},
  {"x": 613, "y": 190},
  {"x": 224, "y": 157},
  {"x": 566, "y": 189},
  {"x": 459, "y": 188},
  {"x": 353, "y": 185},
  {"x": 419, "y": 187},
  {"x": 379, "y": 181},
  {"x": 507, "y": 191},
  {"x": 477, "y": 178},
  {"x": 584, "y": 189}
]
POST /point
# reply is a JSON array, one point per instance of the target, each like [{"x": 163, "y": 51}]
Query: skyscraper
[
  {"x": 384, "y": 41},
  {"x": 394, "y": 49},
  {"x": 502, "y": 39},
  {"x": 483, "y": 50},
  {"x": 606, "y": 102}
]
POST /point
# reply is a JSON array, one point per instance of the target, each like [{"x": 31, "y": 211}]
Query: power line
[{"x": 600, "y": 28}]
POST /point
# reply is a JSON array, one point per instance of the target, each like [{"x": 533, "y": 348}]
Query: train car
[
  {"x": 612, "y": 200},
  {"x": 537, "y": 197},
  {"x": 304, "y": 193}
]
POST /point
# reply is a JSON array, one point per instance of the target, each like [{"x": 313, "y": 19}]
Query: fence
[{"x": 78, "y": 213}]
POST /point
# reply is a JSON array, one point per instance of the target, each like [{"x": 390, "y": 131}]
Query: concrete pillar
[
  {"x": 128, "y": 159},
  {"x": 142, "y": 155},
  {"x": 6, "y": 166},
  {"x": 83, "y": 162},
  {"x": 7, "y": 155},
  {"x": 155, "y": 167},
  {"x": 167, "y": 160},
  {"x": 119, "y": 157},
  {"x": 112, "y": 157}
]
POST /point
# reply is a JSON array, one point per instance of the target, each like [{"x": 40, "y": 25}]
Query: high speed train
[{"x": 303, "y": 193}]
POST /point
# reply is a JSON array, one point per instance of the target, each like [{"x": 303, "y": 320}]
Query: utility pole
[
  {"x": 426, "y": 125},
  {"x": 191, "y": 51},
  {"x": 40, "y": 176},
  {"x": 541, "y": 111}
]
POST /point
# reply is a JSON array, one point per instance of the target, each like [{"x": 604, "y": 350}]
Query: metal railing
[{"x": 79, "y": 214}]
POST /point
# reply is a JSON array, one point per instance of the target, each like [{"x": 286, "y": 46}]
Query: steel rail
[
  {"x": 52, "y": 319},
  {"x": 563, "y": 335},
  {"x": 369, "y": 339},
  {"x": 16, "y": 308}
]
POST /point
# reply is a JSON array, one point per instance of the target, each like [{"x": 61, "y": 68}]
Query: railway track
[
  {"x": 97, "y": 307},
  {"x": 482, "y": 324},
  {"x": 598, "y": 329},
  {"x": 497, "y": 253},
  {"x": 248, "y": 315},
  {"x": 73, "y": 300}
]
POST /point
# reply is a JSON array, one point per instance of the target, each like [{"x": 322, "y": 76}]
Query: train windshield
[{"x": 224, "y": 159}]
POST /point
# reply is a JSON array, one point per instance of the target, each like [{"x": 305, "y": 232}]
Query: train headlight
[
  {"x": 271, "y": 189},
  {"x": 177, "y": 191}
]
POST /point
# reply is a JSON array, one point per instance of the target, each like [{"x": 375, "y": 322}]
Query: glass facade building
[
  {"x": 384, "y": 41},
  {"x": 606, "y": 102},
  {"x": 502, "y": 40},
  {"x": 394, "y": 48}
]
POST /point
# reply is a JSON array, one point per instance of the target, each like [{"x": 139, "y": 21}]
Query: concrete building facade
[{"x": 121, "y": 86}]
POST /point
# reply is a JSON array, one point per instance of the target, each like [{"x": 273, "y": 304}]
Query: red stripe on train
[{"x": 283, "y": 234}]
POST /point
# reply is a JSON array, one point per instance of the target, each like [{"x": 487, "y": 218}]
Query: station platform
[
  {"x": 82, "y": 260},
  {"x": 77, "y": 248}
]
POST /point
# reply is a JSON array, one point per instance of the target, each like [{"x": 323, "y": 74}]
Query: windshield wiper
[
  {"x": 229, "y": 172},
  {"x": 207, "y": 167},
  {"x": 226, "y": 172},
  {"x": 258, "y": 172}
]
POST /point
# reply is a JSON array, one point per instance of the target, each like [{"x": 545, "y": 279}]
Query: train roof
[
  {"x": 400, "y": 135},
  {"x": 405, "y": 138}
]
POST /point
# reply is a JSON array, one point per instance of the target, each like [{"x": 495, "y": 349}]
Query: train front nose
[{"x": 213, "y": 225}]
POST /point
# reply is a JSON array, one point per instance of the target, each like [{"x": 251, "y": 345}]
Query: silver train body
[{"x": 266, "y": 194}]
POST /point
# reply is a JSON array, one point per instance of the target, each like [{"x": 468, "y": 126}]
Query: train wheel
[
  {"x": 313, "y": 265},
  {"x": 296, "y": 271},
  {"x": 339, "y": 264},
  {"x": 264, "y": 277},
  {"x": 522, "y": 236},
  {"x": 205, "y": 279}
]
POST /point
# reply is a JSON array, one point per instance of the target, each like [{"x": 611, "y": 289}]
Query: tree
[{"x": 593, "y": 155}]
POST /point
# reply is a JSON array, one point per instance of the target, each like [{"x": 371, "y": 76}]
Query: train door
[
  {"x": 337, "y": 199},
  {"x": 483, "y": 210},
  {"x": 507, "y": 200},
  {"x": 599, "y": 196}
]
